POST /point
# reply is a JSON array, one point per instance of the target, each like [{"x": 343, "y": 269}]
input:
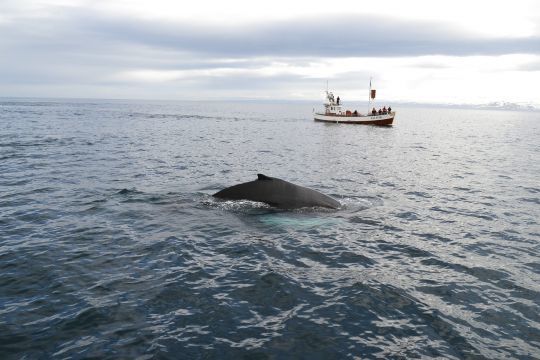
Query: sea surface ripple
[{"x": 111, "y": 245}]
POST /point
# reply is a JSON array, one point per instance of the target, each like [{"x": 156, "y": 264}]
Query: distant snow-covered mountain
[
  {"x": 496, "y": 105},
  {"x": 505, "y": 105}
]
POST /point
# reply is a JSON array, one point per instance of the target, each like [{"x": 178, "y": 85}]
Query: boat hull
[{"x": 382, "y": 120}]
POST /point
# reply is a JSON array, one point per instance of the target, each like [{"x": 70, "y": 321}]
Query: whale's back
[{"x": 277, "y": 192}]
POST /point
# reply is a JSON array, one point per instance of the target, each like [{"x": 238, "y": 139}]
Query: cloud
[
  {"x": 530, "y": 66},
  {"x": 337, "y": 36},
  {"x": 317, "y": 36},
  {"x": 70, "y": 51}
]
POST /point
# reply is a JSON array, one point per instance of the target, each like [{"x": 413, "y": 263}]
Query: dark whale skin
[{"x": 278, "y": 193}]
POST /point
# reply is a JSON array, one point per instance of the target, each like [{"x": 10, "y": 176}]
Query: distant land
[{"x": 496, "y": 105}]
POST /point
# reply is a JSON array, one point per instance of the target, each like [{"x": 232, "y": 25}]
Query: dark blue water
[{"x": 112, "y": 247}]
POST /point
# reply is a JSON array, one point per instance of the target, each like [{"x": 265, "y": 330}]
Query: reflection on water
[{"x": 112, "y": 246}]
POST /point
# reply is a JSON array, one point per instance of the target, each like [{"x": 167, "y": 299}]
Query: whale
[{"x": 277, "y": 193}]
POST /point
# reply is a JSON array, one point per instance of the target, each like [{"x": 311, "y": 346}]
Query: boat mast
[{"x": 369, "y": 97}]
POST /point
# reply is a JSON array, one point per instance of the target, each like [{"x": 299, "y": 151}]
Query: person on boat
[
  {"x": 337, "y": 100},
  {"x": 389, "y": 109},
  {"x": 384, "y": 110},
  {"x": 380, "y": 111},
  {"x": 355, "y": 113},
  {"x": 373, "y": 112}
]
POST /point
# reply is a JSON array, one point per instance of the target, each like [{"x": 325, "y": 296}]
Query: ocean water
[{"x": 111, "y": 245}]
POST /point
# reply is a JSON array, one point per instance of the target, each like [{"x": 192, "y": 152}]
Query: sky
[{"x": 465, "y": 52}]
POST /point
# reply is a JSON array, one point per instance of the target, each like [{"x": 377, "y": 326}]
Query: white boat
[{"x": 334, "y": 113}]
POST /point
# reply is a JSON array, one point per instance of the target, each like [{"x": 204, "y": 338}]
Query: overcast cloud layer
[{"x": 81, "y": 52}]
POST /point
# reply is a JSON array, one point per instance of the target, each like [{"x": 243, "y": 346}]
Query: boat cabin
[{"x": 331, "y": 106}]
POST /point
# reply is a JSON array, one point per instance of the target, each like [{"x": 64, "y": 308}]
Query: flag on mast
[{"x": 371, "y": 91}]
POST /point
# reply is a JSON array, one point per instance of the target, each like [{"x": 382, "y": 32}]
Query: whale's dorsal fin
[{"x": 263, "y": 177}]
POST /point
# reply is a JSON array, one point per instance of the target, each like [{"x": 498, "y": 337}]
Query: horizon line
[{"x": 492, "y": 105}]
